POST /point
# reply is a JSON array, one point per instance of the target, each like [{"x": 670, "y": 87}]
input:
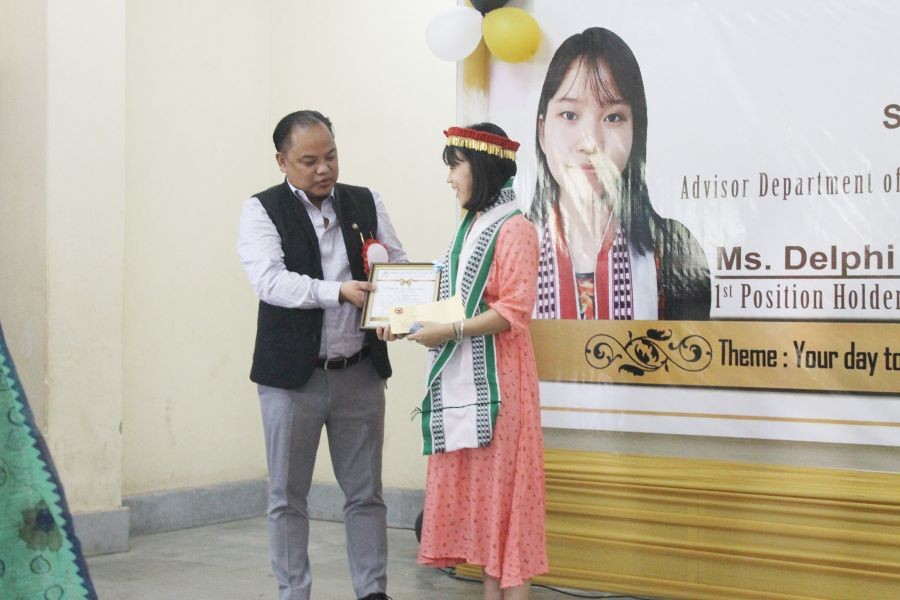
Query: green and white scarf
[{"x": 463, "y": 395}]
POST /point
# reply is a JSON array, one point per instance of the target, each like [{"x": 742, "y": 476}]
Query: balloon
[
  {"x": 454, "y": 33},
  {"x": 486, "y": 6},
  {"x": 511, "y": 34}
]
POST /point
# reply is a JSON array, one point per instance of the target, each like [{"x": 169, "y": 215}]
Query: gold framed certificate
[{"x": 401, "y": 284}]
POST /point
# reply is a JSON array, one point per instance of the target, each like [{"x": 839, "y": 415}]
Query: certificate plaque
[{"x": 401, "y": 284}]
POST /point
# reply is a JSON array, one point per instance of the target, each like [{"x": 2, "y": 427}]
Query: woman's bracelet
[{"x": 458, "y": 328}]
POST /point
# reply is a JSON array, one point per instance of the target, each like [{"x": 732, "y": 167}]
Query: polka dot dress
[{"x": 486, "y": 506}]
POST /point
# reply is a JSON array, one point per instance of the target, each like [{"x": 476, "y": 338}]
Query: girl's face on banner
[
  {"x": 460, "y": 179},
  {"x": 587, "y": 132}
]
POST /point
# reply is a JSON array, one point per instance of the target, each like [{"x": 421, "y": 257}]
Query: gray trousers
[{"x": 350, "y": 404}]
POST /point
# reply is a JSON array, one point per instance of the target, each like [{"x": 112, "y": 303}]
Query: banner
[{"x": 716, "y": 186}]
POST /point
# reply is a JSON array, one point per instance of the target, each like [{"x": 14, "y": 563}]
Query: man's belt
[{"x": 340, "y": 363}]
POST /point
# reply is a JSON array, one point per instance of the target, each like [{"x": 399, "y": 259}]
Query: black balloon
[{"x": 485, "y": 6}]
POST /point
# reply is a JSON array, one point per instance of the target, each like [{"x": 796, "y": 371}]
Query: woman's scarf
[
  {"x": 463, "y": 394},
  {"x": 626, "y": 283}
]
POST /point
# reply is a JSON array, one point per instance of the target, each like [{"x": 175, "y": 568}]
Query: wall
[
  {"x": 85, "y": 235},
  {"x": 62, "y": 201},
  {"x": 206, "y": 84},
  {"x": 131, "y": 135},
  {"x": 197, "y": 81},
  {"x": 23, "y": 212}
]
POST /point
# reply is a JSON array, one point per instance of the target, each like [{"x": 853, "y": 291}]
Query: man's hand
[
  {"x": 354, "y": 292},
  {"x": 384, "y": 334}
]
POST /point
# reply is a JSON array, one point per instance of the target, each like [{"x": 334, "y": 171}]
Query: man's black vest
[{"x": 288, "y": 339}]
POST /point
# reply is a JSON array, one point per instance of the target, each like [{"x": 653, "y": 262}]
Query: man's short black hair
[{"x": 281, "y": 137}]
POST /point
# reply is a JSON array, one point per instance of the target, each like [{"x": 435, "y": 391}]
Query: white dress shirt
[{"x": 259, "y": 248}]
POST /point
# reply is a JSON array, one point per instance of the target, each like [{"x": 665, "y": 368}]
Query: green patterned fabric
[{"x": 40, "y": 557}]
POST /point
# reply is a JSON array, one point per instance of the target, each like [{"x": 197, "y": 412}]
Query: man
[{"x": 301, "y": 245}]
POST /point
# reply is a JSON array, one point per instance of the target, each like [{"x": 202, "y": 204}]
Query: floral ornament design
[
  {"x": 648, "y": 353},
  {"x": 39, "y": 529}
]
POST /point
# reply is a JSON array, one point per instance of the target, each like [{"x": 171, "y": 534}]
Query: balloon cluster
[{"x": 511, "y": 34}]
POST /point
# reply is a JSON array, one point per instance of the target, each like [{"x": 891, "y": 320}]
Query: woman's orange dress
[{"x": 486, "y": 506}]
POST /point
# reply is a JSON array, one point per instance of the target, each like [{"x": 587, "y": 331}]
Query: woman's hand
[{"x": 432, "y": 334}]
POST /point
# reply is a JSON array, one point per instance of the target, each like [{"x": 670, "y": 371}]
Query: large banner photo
[{"x": 716, "y": 189}]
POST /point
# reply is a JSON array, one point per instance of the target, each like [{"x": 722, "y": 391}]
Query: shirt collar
[{"x": 302, "y": 195}]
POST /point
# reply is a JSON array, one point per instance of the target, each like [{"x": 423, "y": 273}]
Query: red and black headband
[{"x": 482, "y": 141}]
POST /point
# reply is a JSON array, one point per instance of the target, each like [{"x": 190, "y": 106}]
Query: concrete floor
[{"x": 230, "y": 561}]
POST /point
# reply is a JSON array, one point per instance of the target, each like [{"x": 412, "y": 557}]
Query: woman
[
  {"x": 605, "y": 253},
  {"x": 484, "y": 498}
]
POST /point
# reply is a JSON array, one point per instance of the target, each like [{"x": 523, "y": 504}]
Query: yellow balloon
[{"x": 511, "y": 34}]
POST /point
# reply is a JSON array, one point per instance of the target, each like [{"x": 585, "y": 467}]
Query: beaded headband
[{"x": 482, "y": 141}]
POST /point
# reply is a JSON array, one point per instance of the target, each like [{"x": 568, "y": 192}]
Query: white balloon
[{"x": 454, "y": 33}]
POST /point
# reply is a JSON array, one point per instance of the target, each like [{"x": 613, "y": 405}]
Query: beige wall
[
  {"x": 23, "y": 211},
  {"x": 131, "y": 135},
  {"x": 197, "y": 114},
  {"x": 85, "y": 235},
  {"x": 206, "y": 85},
  {"x": 62, "y": 228}
]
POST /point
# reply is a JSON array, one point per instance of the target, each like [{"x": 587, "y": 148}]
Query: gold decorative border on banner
[
  {"x": 729, "y": 417},
  {"x": 773, "y": 355}
]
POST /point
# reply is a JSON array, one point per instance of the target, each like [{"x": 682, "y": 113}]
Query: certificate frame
[{"x": 423, "y": 281}]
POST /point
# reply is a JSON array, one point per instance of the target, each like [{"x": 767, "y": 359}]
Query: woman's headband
[{"x": 482, "y": 141}]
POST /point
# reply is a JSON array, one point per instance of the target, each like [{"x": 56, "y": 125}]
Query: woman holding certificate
[{"x": 484, "y": 498}]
